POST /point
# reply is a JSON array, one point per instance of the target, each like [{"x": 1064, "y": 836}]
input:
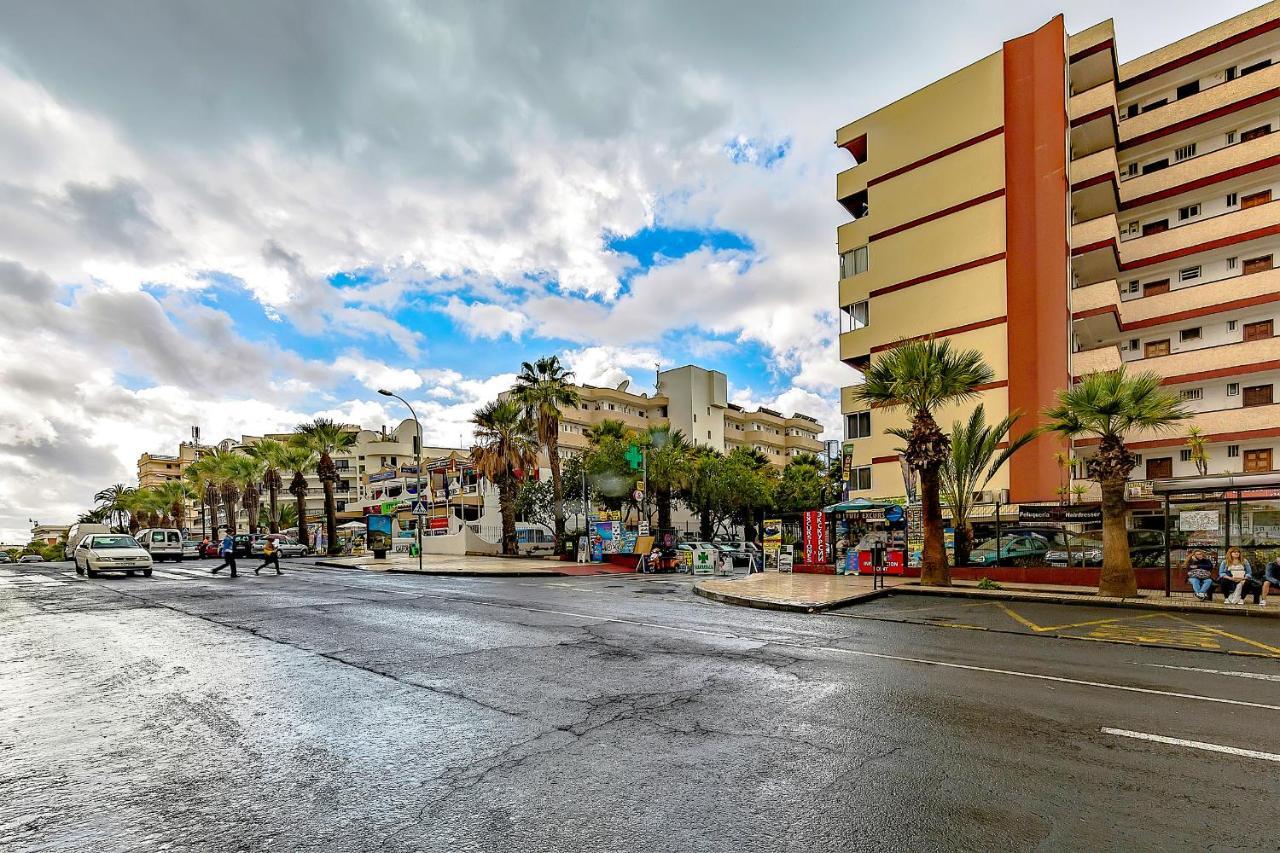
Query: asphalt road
[{"x": 340, "y": 710}]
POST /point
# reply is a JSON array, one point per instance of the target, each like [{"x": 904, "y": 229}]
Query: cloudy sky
[{"x": 244, "y": 214}]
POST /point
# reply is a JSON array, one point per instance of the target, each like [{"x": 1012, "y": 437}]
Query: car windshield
[{"x": 113, "y": 542}]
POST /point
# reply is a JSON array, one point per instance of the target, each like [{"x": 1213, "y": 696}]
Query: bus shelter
[{"x": 1216, "y": 513}]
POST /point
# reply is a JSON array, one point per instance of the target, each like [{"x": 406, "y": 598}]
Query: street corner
[{"x": 802, "y": 593}]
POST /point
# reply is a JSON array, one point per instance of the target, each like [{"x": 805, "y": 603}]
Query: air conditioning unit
[{"x": 991, "y": 496}]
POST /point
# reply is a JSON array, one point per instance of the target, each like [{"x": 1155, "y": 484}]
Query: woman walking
[
  {"x": 270, "y": 555},
  {"x": 228, "y": 551}
]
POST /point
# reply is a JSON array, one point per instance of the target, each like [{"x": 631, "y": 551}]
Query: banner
[
  {"x": 379, "y": 532},
  {"x": 772, "y": 541},
  {"x": 1058, "y": 514},
  {"x": 815, "y": 537}
]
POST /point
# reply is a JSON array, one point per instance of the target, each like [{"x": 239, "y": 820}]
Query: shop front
[{"x": 857, "y": 526}]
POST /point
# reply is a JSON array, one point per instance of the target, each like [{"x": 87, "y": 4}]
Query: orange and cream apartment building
[{"x": 1065, "y": 214}]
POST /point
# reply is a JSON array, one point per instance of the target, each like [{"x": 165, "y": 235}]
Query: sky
[{"x": 246, "y": 214}]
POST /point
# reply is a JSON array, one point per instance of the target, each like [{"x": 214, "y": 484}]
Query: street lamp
[{"x": 417, "y": 463}]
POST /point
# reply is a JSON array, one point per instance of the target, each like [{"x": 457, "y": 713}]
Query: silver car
[{"x": 111, "y": 552}]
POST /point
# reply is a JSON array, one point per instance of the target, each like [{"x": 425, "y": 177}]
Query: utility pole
[
  {"x": 195, "y": 445},
  {"x": 417, "y": 461}
]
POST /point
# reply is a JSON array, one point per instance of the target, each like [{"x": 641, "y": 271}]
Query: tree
[
  {"x": 205, "y": 489},
  {"x": 299, "y": 460},
  {"x": 324, "y": 437},
  {"x": 921, "y": 377},
  {"x": 114, "y": 499},
  {"x": 542, "y": 388},
  {"x": 247, "y": 471},
  {"x": 609, "y": 474},
  {"x": 1107, "y": 406},
  {"x": 668, "y": 467},
  {"x": 974, "y": 459},
  {"x": 173, "y": 495},
  {"x": 221, "y": 469},
  {"x": 750, "y": 487},
  {"x": 506, "y": 442},
  {"x": 803, "y": 486},
  {"x": 706, "y": 491},
  {"x": 535, "y": 502},
  {"x": 271, "y": 454},
  {"x": 289, "y": 518},
  {"x": 1199, "y": 455}
]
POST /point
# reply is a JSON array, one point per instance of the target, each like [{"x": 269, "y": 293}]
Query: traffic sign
[
  {"x": 419, "y": 510},
  {"x": 637, "y": 495}
]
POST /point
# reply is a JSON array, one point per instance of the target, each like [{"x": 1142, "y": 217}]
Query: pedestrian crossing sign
[{"x": 418, "y": 509}]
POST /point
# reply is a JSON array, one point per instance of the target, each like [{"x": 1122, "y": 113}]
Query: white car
[
  {"x": 111, "y": 552},
  {"x": 31, "y": 558},
  {"x": 163, "y": 543}
]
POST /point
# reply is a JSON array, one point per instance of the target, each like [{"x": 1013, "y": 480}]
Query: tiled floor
[{"x": 794, "y": 590}]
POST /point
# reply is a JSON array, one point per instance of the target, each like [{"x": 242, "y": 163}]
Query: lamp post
[{"x": 417, "y": 467}]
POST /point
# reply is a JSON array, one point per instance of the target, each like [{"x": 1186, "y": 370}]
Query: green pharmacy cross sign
[{"x": 633, "y": 457}]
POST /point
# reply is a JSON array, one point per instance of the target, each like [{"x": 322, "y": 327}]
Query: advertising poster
[
  {"x": 786, "y": 558},
  {"x": 704, "y": 561},
  {"x": 604, "y": 533},
  {"x": 772, "y": 541},
  {"x": 379, "y": 532},
  {"x": 815, "y": 537},
  {"x": 597, "y": 544},
  {"x": 628, "y": 543},
  {"x": 915, "y": 535}
]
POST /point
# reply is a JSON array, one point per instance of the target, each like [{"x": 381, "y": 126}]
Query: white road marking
[
  {"x": 1258, "y": 675},
  {"x": 1194, "y": 744},
  {"x": 881, "y": 656}
]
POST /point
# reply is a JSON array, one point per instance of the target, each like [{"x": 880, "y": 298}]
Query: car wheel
[
  {"x": 146, "y": 573},
  {"x": 130, "y": 573},
  {"x": 88, "y": 570},
  {"x": 79, "y": 570}
]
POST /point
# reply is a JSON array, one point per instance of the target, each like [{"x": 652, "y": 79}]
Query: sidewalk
[
  {"x": 802, "y": 593},
  {"x": 439, "y": 564},
  {"x": 815, "y": 593}
]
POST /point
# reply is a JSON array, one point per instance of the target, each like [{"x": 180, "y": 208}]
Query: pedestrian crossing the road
[{"x": 12, "y": 581}]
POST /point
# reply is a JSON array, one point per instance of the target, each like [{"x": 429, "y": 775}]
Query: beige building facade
[{"x": 1064, "y": 214}]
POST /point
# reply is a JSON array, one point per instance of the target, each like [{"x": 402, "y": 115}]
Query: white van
[
  {"x": 77, "y": 533},
  {"x": 163, "y": 543}
]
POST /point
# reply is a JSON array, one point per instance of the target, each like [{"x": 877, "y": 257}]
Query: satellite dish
[{"x": 622, "y": 386}]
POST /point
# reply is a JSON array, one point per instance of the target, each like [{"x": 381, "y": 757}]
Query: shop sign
[
  {"x": 438, "y": 524},
  {"x": 390, "y": 507},
  {"x": 1058, "y": 514},
  {"x": 381, "y": 476},
  {"x": 815, "y": 537}
]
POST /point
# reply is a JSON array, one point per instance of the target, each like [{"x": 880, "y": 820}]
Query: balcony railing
[
  {"x": 1194, "y": 168},
  {"x": 1096, "y": 360},
  {"x": 1204, "y": 359},
  {"x": 1155, "y": 247},
  {"x": 1200, "y": 103}
]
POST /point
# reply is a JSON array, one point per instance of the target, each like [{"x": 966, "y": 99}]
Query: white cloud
[
  {"x": 607, "y": 366},
  {"x": 375, "y": 374},
  {"x": 485, "y": 319}
]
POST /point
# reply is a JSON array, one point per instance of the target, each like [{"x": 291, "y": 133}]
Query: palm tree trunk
[
  {"x": 274, "y": 521},
  {"x": 1117, "y": 578},
  {"x": 964, "y": 540},
  {"x": 933, "y": 564},
  {"x": 704, "y": 524},
  {"x": 330, "y": 518},
  {"x": 300, "y": 500},
  {"x": 557, "y": 493},
  {"x": 507, "y": 507},
  {"x": 663, "y": 499},
  {"x": 229, "y": 505}
]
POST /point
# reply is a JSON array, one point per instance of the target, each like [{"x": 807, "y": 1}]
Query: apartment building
[
  {"x": 695, "y": 401},
  {"x": 1065, "y": 214}
]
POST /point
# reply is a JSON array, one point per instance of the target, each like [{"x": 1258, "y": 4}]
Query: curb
[
  {"x": 1052, "y": 598},
  {"x": 514, "y": 573},
  {"x": 785, "y": 607}
]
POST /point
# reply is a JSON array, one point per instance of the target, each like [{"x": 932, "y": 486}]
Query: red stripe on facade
[
  {"x": 1109, "y": 177},
  {"x": 1192, "y": 313},
  {"x": 931, "y": 276},
  {"x": 1093, "y": 116},
  {"x": 1093, "y": 247},
  {"x": 941, "y": 333},
  {"x": 1094, "y": 312},
  {"x": 1221, "y": 372},
  {"x": 1228, "y": 109},
  {"x": 1203, "y": 247},
  {"x": 880, "y": 460},
  {"x": 937, "y": 155},
  {"x": 1199, "y": 53},
  {"x": 947, "y": 211},
  {"x": 1226, "y": 174},
  {"x": 1091, "y": 50}
]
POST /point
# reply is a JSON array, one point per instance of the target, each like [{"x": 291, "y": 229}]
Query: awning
[
  {"x": 1229, "y": 482},
  {"x": 859, "y": 505}
]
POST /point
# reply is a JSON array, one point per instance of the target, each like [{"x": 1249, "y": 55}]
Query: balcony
[
  {"x": 1151, "y": 125},
  {"x": 1092, "y": 54},
  {"x": 1176, "y": 242},
  {"x": 1093, "y": 250},
  {"x": 1192, "y": 362},
  {"x": 1094, "y": 180},
  {"x": 1234, "y": 420},
  {"x": 1165, "y": 183},
  {"x": 1095, "y": 312},
  {"x": 855, "y": 346},
  {"x": 849, "y": 402},
  {"x": 850, "y": 183},
  {"x": 1093, "y": 120},
  {"x": 1096, "y": 360}
]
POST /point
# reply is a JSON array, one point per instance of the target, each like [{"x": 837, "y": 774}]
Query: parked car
[
  {"x": 76, "y": 533},
  {"x": 5, "y": 558},
  {"x": 191, "y": 549},
  {"x": 31, "y": 558},
  {"x": 1146, "y": 548},
  {"x": 1014, "y": 550},
  {"x": 209, "y": 549},
  {"x": 688, "y": 552},
  {"x": 287, "y": 547},
  {"x": 163, "y": 543},
  {"x": 111, "y": 552},
  {"x": 740, "y": 553}
]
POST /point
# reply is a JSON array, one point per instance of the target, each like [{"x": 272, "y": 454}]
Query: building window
[
  {"x": 1134, "y": 344},
  {"x": 1133, "y": 287},
  {"x": 1189, "y": 273},
  {"x": 1185, "y": 152},
  {"x": 1189, "y": 212},
  {"x": 1186, "y": 90},
  {"x": 1137, "y": 459},
  {"x": 860, "y": 479},
  {"x": 1233, "y": 389},
  {"x": 857, "y": 425},
  {"x": 1132, "y": 169},
  {"x": 1191, "y": 393},
  {"x": 1233, "y": 199},
  {"x": 854, "y": 317},
  {"x": 1231, "y": 137},
  {"x": 1231, "y": 263},
  {"x": 1231, "y": 325},
  {"x": 1229, "y": 75},
  {"x": 1192, "y": 334},
  {"x": 1233, "y": 451},
  {"x": 1184, "y": 455},
  {"x": 854, "y": 262}
]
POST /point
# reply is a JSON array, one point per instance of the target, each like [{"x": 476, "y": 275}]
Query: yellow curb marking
[
  {"x": 1271, "y": 649},
  {"x": 1027, "y": 623}
]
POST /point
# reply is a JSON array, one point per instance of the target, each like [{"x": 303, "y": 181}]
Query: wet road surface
[{"x": 344, "y": 710}]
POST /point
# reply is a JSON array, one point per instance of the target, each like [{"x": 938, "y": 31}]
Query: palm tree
[
  {"x": 221, "y": 467},
  {"x": 248, "y": 474},
  {"x": 668, "y": 467},
  {"x": 922, "y": 376},
  {"x": 113, "y": 499},
  {"x": 609, "y": 428},
  {"x": 173, "y": 495},
  {"x": 271, "y": 454},
  {"x": 324, "y": 437},
  {"x": 703, "y": 492},
  {"x": 506, "y": 442},
  {"x": 299, "y": 460},
  {"x": 1199, "y": 455},
  {"x": 975, "y": 458},
  {"x": 542, "y": 388},
  {"x": 289, "y": 518},
  {"x": 1108, "y": 406}
]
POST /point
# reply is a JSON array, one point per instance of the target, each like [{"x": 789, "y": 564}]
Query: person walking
[
  {"x": 228, "y": 551},
  {"x": 270, "y": 555}
]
